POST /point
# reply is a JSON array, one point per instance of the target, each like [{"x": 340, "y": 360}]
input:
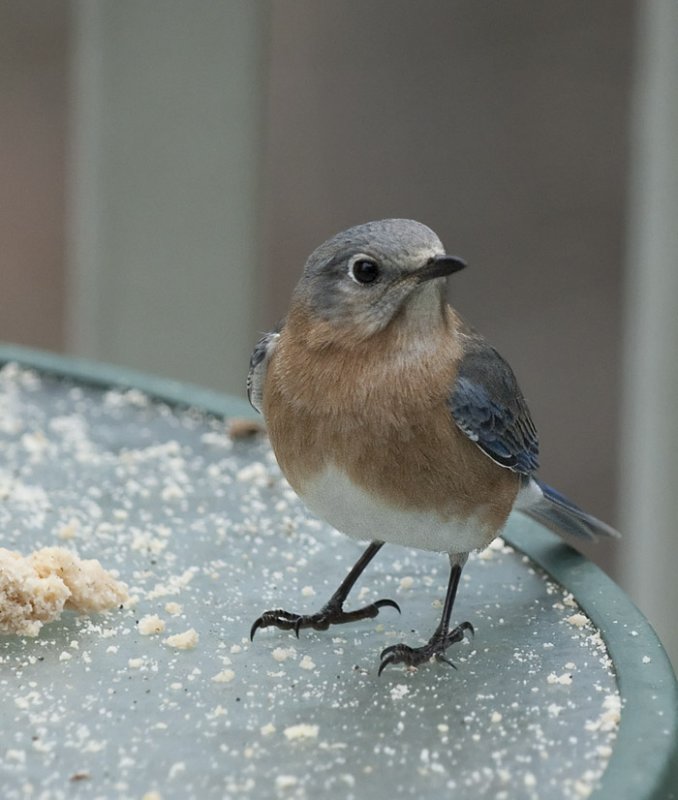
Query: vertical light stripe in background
[
  {"x": 649, "y": 495},
  {"x": 167, "y": 115}
]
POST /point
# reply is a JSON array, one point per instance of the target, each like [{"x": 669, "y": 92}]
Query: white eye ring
[{"x": 363, "y": 269}]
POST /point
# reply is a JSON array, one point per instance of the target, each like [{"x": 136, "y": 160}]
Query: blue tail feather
[{"x": 562, "y": 516}]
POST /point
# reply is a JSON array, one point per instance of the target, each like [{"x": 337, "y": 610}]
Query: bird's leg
[
  {"x": 442, "y": 637},
  {"x": 332, "y": 613}
]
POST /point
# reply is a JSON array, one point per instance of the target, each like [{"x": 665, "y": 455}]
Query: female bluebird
[{"x": 395, "y": 421}]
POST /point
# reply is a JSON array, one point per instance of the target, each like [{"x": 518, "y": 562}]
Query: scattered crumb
[
  {"x": 564, "y": 680},
  {"x": 407, "y": 582},
  {"x": 173, "y": 608},
  {"x": 308, "y": 591},
  {"x": 282, "y": 653},
  {"x": 307, "y": 663},
  {"x": 283, "y": 782},
  {"x": 150, "y": 625},
  {"x": 183, "y": 641},
  {"x": 582, "y": 789},
  {"x": 35, "y": 589},
  {"x": 176, "y": 769},
  {"x": 172, "y": 492},
  {"x": 267, "y": 729},
  {"x": 496, "y": 717},
  {"x": 225, "y": 676},
  {"x": 610, "y": 716},
  {"x": 399, "y": 691},
  {"x": 68, "y": 531},
  {"x": 301, "y": 731},
  {"x": 135, "y": 663},
  {"x": 244, "y": 428},
  {"x": 255, "y": 472},
  {"x": 578, "y": 620}
]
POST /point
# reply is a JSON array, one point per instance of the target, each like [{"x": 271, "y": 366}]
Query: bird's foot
[
  {"x": 330, "y": 614},
  {"x": 435, "y": 648}
]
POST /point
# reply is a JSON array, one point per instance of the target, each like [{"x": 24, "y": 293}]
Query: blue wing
[{"x": 488, "y": 407}]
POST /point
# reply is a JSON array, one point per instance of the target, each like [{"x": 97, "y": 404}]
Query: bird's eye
[{"x": 364, "y": 270}]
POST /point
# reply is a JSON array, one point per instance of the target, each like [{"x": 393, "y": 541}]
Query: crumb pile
[{"x": 35, "y": 589}]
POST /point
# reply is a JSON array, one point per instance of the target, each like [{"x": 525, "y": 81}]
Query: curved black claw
[
  {"x": 321, "y": 621},
  {"x": 435, "y": 648}
]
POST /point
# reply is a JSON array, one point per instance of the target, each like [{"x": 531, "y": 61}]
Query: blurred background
[{"x": 166, "y": 167}]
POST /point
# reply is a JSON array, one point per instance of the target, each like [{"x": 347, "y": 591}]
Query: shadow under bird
[{"x": 395, "y": 421}]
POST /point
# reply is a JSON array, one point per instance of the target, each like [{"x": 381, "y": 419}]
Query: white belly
[{"x": 353, "y": 511}]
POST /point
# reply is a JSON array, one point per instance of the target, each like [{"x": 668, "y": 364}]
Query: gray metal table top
[{"x": 188, "y": 516}]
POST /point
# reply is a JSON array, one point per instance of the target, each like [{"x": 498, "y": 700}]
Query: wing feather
[
  {"x": 258, "y": 365},
  {"x": 488, "y": 407}
]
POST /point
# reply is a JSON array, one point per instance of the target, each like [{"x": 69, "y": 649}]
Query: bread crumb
[
  {"x": 307, "y": 663},
  {"x": 399, "y": 691},
  {"x": 268, "y": 729},
  {"x": 283, "y": 782},
  {"x": 172, "y": 492},
  {"x": 183, "y": 641},
  {"x": 610, "y": 717},
  {"x": 301, "y": 731},
  {"x": 173, "y": 608},
  {"x": 225, "y": 676},
  {"x": 407, "y": 582},
  {"x": 308, "y": 591},
  {"x": 564, "y": 680},
  {"x": 150, "y": 625},
  {"x": 282, "y": 653},
  {"x": 496, "y": 717},
  {"x": 255, "y": 472},
  {"x": 35, "y": 589},
  {"x": 135, "y": 663},
  {"x": 176, "y": 769},
  {"x": 578, "y": 620},
  {"x": 244, "y": 428},
  {"x": 68, "y": 531}
]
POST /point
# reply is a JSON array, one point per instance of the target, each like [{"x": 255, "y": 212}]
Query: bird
[{"x": 397, "y": 422}]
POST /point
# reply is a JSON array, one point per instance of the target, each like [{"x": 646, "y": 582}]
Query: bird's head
[{"x": 364, "y": 278}]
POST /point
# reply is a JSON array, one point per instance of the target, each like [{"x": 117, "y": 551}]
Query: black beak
[{"x": 439, "y": 267}]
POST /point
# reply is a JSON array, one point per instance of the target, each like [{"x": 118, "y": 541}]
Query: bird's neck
[
  {"x": 417, "y": 323},
  {"x": 318, "y": 368}
]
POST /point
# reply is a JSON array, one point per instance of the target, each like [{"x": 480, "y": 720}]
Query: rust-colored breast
[{"x": 376, "y": 409}]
